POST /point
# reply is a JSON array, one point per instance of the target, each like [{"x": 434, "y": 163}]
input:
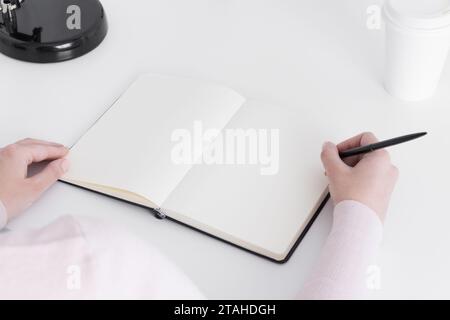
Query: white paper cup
[{"x": 417, "y": 46}]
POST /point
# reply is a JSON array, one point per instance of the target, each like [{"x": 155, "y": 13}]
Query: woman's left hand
[{"x": 17, "y": 191}]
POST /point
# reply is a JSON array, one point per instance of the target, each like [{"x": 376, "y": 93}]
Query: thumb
[
  {"x": 330, "y": 159},
  {"x": 45, "y": 179}
]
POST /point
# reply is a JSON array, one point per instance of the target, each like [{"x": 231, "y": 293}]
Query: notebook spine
[{"x": 159, "y": 214}]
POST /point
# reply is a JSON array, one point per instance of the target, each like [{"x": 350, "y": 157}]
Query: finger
[
  {"x": 368, "y": 138},
  {"x": 39, "y": 152},
  {"x": 381, "y": 155},
  {"x": 29, "y": 141},
  {"x": 395, "y": 173},
  {"x": 362, "y": 139},
  {"x": 331, "y": 161},
  {"x": 47, "y": 177}
]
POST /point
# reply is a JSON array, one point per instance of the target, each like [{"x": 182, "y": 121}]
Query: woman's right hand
[{"x": 368, "y": 179}]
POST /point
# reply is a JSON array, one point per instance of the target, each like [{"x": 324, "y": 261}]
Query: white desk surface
[{"x": 311, "y": 55}]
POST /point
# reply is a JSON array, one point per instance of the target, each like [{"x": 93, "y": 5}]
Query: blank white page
[
  {"x": 263, "y": 213},
  {"x": 129, "y": 148}
]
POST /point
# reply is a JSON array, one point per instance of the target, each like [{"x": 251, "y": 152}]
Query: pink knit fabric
[
  {"x": 341, "y": 271},
  {"x": 82, "y": 259}
]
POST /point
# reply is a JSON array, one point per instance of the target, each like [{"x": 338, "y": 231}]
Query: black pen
[{"x": 380, "y": 145}]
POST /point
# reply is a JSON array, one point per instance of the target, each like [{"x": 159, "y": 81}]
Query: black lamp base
[{"x": 46, "y": 31}]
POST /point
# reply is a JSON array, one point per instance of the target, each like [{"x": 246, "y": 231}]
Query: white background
[{"x": 315, "y": 56}]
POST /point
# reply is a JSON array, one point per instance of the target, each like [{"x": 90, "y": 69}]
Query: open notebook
[{"x": 139, "y": 151}]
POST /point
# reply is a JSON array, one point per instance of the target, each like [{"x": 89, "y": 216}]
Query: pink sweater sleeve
[
  {"x": 341, "y": 271},
  {"x": 81, "y": 258}
]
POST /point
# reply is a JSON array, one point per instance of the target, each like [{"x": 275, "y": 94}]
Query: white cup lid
[{"x": 419, "y": 14}]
